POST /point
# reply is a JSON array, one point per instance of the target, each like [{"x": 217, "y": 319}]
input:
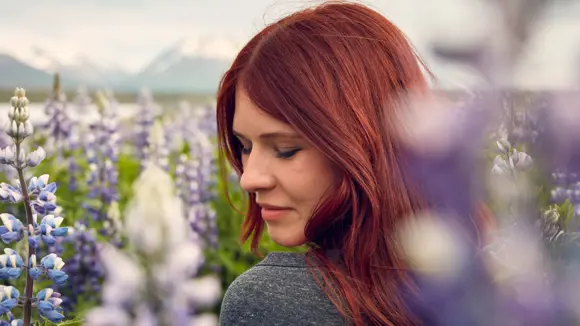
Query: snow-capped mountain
[
  {"x": 37, "y": 58},
  {"x": 15, "y": 73},
  {"x": 202, "y": 48},
  {"x": 189, "y": 65},
  {"x": 77, "y": 69},
  {"x": 93, "y": 72}
]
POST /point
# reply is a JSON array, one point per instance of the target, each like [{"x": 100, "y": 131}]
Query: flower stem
[{"x": 31, "y": 251}]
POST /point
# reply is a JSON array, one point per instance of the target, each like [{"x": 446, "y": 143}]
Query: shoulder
[{"x": 277, "y": 295}]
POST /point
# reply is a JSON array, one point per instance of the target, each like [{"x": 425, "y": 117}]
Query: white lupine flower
[{"x": 155, "y": 219}]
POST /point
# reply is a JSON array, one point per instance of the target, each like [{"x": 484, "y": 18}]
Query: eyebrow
[{"x": 271, "y": 135}]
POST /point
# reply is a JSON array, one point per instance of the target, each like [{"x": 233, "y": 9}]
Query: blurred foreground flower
[{"x": 152, "y": 282}]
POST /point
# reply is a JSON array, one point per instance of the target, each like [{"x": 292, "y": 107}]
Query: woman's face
[{"x": 289, "y": 176}]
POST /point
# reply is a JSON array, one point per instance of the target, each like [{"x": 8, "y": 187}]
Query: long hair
[{"x": 336, "y": 72}]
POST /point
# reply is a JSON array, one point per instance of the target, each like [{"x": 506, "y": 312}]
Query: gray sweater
[{"x": 280, "y": 290}]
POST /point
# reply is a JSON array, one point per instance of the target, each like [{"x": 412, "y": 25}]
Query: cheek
[{"x": 308, "y": 185}]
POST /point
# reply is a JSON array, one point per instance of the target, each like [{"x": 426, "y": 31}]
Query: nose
[{"x": 256, "y": 175}]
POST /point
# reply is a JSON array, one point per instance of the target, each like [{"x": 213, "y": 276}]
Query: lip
[{"x": 272, "y": 213}]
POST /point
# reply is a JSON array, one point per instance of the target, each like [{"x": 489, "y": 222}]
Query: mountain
[
  {"x": 81, "y": 68},
  {"x": 16, "y": 73},
  {"x": 191, "y": 64},
  {"x": 92, "y": 72},
  {"x": 33, "y": 67}
]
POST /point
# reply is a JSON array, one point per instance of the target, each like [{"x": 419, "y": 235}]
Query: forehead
[{"x": 249, "y": 119}]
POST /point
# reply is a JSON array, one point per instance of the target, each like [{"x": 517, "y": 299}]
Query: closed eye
[
  {"x": 245, "y": 151},
  {"x": 288, "y": 154}
]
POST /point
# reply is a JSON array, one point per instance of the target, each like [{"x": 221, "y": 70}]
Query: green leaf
[
  {"x": 73, "y": 322},
  {"x": 566, "y": 211}
]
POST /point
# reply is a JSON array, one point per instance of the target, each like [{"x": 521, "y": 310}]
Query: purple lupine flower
[
  {"x": 158, "y": 151},
  {"x": 83, "y": 105},
  {"x": 441, "y": 147},
  {"x": 82, "y": 101},
  {"x": 102, "y": 155},
  {"x": 558, "y": 147},
  {"x": 195, "y": 173},
  {"x": 73, "y": 168},
  {"x": 567, "y": 187},
  {"x": 172, "y": 130},
  {"x": 144, "y": 119},
  {"x": 511, "y": 284},
  {"x": 84, "y": 268},
  {"x": 193, "y": 184},
  {"x": 59, "y": 123}
]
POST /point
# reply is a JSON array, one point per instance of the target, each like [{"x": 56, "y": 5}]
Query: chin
[{"x": 285, "y": 237}]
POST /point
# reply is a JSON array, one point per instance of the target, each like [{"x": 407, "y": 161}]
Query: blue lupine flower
[
  {"x": 10, "y": 264},
  {"x": 34, "y": 158},
  {"x": 8, "y": 298},
  {"x": 36, "y": 185},
  {"x": 12, "y": 230},
  {"x": 47, "y": 231},
  {"x": 40, "y": 200},
  {"x": 45, "y": 203},
  {"x": 53, "y": 265},
  {"x": 9, "y": 194},
  {"x": 8, "y": 155},
  {"x": 49, "y": 305},
  {"x": 11, "y": 320},
  {"x": 33, "y": 269},
  {"x": 49, "y": 228}
]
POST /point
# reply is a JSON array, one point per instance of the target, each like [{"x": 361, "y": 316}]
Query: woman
[{"x": 306, "y": 117}]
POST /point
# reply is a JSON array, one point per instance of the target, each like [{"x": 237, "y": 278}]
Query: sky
[{"x": 131, "y": 33}]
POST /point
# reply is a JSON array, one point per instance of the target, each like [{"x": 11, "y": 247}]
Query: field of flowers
[
  {"x": 110, "y": 218},
  {"x": 141, "y": 188}
]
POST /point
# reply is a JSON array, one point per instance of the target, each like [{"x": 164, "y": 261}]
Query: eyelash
[
  {"x": 281, "y": 155},
  {"x": 288, "y": 154}
]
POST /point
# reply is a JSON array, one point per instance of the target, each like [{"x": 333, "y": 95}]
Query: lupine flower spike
[{"x": 39, "y": 199}]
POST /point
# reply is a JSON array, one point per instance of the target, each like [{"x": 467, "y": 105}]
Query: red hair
[{"x": 336, "y": 72}]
